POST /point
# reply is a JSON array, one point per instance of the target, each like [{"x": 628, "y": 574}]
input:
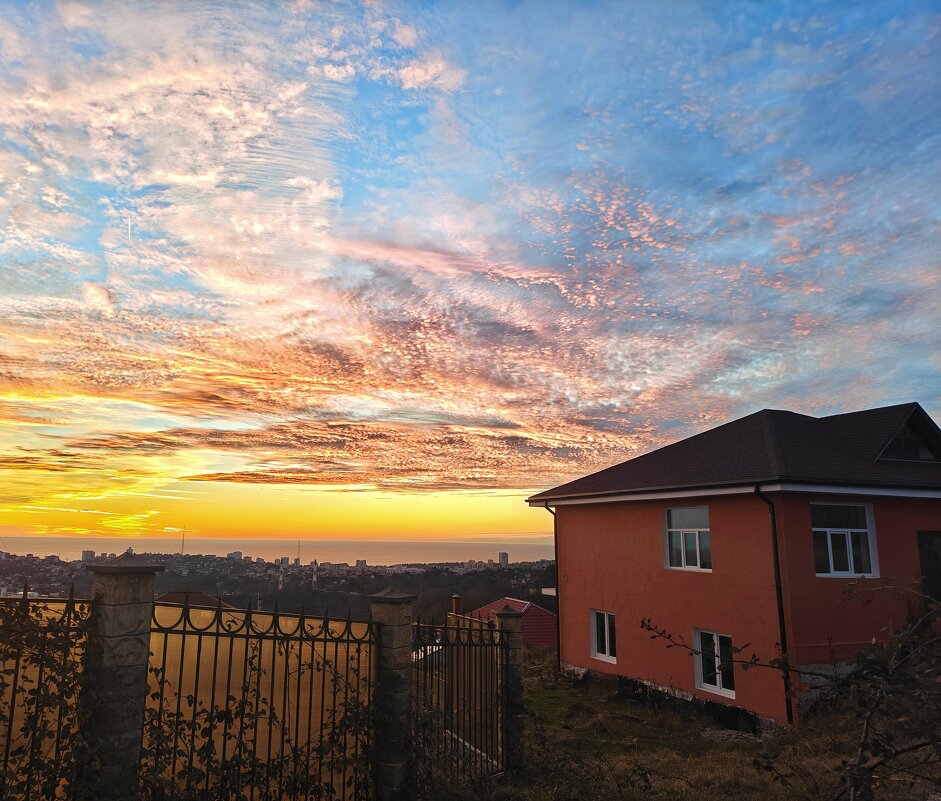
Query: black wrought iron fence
[
  {"x": 242, "y": 704},
  {"x": 245, "y": 704},
  {"x": 42, "y": 647},
  {"x": 459, "y": 680}
]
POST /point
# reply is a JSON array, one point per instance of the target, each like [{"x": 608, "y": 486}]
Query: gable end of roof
[{"x": 926, "y": 433}]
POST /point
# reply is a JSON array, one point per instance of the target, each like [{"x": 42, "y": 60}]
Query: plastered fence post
[
  {"x": 393, "y": 612},
  {"x": 116, "y": 689},
  {"x": 510, "y": 622}
]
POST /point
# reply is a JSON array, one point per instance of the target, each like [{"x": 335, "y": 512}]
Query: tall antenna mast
[
  {"x": 183, "y": 541},
  {"x": 298, "y": 550}
]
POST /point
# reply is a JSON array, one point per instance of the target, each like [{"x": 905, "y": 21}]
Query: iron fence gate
[
  {"x": 254, "y": 705},
  {"x": 459, "y": 679}
]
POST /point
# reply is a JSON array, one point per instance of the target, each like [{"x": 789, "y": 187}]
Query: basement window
[
  {"x": 843, "y": 540},
  {"x": 603, "y": 639},
  {"x": 714, "y": 666},
  {"x": 688, "y": 543}
]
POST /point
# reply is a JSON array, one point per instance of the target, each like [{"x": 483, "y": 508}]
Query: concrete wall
[
  {"x": 832, "y": 619},
  {"x": 611, "y": 557}
]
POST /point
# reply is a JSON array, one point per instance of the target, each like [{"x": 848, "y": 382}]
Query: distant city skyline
[
  {"x": 380, "y": 271},
  {"x": 374, "y": 552}
]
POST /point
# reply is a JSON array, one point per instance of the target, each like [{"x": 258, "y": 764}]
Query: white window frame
[
  {"x": 683, "y": 532},
  {"x": 609, "y": 621},
  {"x": 871, "y": 536},
  {"x": 717, "y": 689}
]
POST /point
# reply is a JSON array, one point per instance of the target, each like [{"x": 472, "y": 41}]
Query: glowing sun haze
[{"x": 382, "y": 270}]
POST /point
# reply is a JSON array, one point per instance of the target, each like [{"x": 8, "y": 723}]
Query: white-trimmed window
[
  {"x": 688, "y": 544},
  {"x": 714, "y": 667},
  {"x": 843, "y": 540},
  {"x": 603, "y": 636}
]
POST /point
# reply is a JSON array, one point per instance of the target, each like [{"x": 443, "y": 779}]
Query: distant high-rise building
[
  {"x": 129, "y": 550},
  {"x": 284, "y": 561},
  {"x": 88, "y": 556},
  {"x": 297, "y": 561},
  {"x": 360, "y": 565},
  {"x": 234, "y": 555},
  {"x": 259, "y": 560},
  {"x": 504, "y": 559},
  {"x": 314, "y": 569}
]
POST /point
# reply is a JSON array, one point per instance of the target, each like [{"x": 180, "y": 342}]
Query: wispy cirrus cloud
[{"x": 380, "y": 248}]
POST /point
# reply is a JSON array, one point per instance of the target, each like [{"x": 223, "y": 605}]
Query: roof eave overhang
[{"x": 666, "y": 493}]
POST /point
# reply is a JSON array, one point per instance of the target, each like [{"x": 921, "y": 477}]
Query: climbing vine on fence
[
  {"x": 42, "y": 651},
  {"x": 249, "y": 745}
]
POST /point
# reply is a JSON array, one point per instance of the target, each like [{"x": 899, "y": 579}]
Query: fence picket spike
[{"x": 69, "y": 604}]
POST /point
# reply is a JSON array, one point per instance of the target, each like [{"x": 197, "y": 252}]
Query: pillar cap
[
  {"x": 390, "y": 596},
  {"x": 125, "y": 563}
]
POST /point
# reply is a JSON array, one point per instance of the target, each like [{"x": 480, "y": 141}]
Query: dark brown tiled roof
[{"x": 774, "y": 445}]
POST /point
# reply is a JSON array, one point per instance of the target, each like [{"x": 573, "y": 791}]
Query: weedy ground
[{"x": 585, "y": 742}]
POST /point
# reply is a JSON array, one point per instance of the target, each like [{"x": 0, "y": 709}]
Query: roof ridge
[{"x": 910, "y": 405}]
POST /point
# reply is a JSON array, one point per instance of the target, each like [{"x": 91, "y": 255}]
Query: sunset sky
[{"x": 382, "y": 269}]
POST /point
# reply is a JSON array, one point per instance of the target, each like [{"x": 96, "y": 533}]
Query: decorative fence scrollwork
[{"x": 258, "y": 705}]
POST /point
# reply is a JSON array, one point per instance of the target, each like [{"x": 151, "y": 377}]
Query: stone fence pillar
[
  {"x": 116, "y": 692},
  {"x": 510, "y": 623},
  {"x": 393, "y": 612}
]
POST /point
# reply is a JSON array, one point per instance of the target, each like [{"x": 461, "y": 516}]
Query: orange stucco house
[{"x": 750, "y": 534}]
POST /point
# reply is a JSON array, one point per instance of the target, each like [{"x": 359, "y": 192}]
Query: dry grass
[{"x": 583, "y": 743}]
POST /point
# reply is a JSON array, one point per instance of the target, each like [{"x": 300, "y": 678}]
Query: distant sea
[{"x": 375, "y": 552}]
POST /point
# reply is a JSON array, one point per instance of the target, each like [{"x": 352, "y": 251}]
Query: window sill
[
  {"x": 689, "y": 569},
  {"x": 716, "y": 691},
  {"x": 847, "y": 575},
  {"x": 611, "y": 660}
]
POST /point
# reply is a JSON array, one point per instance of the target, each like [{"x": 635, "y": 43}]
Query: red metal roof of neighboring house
[
  {"x": 539, "y": 625},
  {"x": 854, "y": 449}
]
